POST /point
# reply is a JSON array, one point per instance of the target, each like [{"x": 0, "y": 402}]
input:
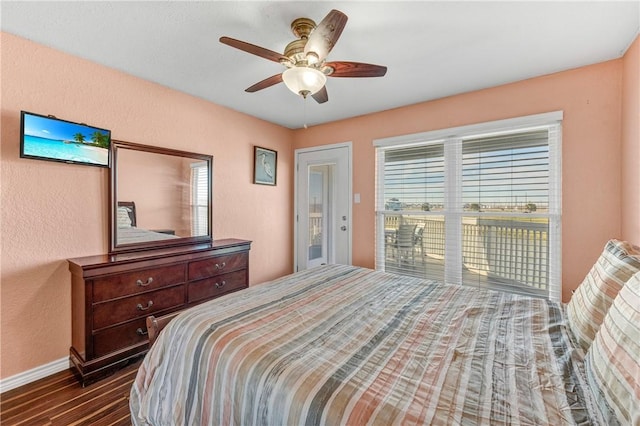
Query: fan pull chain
[{"x": 304, "y": 101}]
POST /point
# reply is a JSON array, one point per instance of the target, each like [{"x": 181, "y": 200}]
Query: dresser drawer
[
  {"x": 119, "y": 285},
  {"x": 107, "y": 326},
  {"x": 216, "y": 286},
  {"x": 217, "y": 265},
  {"x": 142, "y": 305},
  {"x": 113, "y": 339}
]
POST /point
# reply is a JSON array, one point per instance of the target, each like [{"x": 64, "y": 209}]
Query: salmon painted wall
[
  {"x": 631, "y": 144},
  {"x": 53, "y": 211},
  {"x": 591, "y": 152},
  {"x": 157, "y": 206}
]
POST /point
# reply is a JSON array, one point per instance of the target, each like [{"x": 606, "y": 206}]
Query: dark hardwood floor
[{"x": 60, "y": 400}]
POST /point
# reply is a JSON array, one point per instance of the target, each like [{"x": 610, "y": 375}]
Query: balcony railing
[
  {"x": 315, "y": 228},
  {"x": 496, "y": 252},
  {"x": 509, "y": 253}
]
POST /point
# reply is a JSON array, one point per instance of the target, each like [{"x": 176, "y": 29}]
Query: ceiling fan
[{"x": 305, "y": 58}]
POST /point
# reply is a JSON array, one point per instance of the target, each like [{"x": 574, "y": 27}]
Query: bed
[
  {"x": 133, "y": 235},
  {"x": 347, "y": 345},
  {"x": 129, "y": 233}
]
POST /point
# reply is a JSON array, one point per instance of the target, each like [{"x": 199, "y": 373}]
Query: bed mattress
[{"x": 347, "y": 345}]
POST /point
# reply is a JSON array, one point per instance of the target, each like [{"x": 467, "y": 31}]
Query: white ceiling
[{"x": 432, "y": 49}]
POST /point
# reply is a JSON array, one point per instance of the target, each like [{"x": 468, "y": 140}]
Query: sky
[{"x": 51, "y": 128}]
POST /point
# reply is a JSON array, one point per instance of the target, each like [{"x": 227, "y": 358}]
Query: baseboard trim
[{"x": 34, "y": 374}]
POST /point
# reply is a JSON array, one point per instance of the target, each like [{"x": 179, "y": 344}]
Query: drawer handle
[
  {"x": 218, "y": 267},
  {"x": 144, "y": 308},
  {"x": 142, "y": 332},
  {"x": 220, "y": 285},
  {"x": 139, "y": 283}
]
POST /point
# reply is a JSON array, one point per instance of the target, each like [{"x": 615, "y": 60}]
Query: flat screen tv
[{"x": 49, "y": 138}]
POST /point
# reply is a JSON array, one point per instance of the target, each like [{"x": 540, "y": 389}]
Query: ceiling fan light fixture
[
  {"x": 312, "y": 58},
  {"x": 304, "y": 81}
]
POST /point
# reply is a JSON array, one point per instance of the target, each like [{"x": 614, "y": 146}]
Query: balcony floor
[{"x": 430, "y": 267}]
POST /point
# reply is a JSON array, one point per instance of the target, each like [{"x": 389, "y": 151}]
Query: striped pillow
[
  {"x": 613, "y": 361},
  {"x": 592, "y": 299}
]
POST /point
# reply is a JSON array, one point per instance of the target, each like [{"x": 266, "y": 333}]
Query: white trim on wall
[
  {"x": 461, "y": 131},
  {"x": 34, "y": 374},
  {"x": 452, "y": 138}
]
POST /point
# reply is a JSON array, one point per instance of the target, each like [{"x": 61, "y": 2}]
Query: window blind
[
  {"x": 485, "y": 206},
  {"x": 413, "y": 184},
  {"x": 199, "y": 198},
  {"x": 505, "y": 179}
]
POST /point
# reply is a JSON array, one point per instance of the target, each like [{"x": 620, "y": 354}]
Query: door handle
[{"x": 343, "y": 228}]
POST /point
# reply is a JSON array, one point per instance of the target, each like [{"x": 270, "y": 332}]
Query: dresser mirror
[{"x": 159, "y": 197}]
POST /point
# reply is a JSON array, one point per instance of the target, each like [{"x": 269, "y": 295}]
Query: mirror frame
[{"x": 114, "y": 247}]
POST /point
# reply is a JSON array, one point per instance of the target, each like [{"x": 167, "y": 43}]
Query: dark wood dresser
[{"x": 113, "y": 294}]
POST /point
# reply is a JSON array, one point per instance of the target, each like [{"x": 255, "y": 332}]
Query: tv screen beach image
[{"x": 50, "y": 138}]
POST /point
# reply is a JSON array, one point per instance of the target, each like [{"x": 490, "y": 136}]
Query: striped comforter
[
  {"x": 139, "y": 235},
  {"x": 347, "y": 345}
]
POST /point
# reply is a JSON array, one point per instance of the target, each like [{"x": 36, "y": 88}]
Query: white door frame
[{"x": 349, "y": 185}]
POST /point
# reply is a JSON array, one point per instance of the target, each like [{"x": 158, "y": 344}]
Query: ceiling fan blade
[
  {"x": 326, "y": 34},
  {"x": 355, "y": 69},
  {"x": 254, "y": 50},
  {"x": 321, "y": 96},
  {"x": 267, "y": 82}
]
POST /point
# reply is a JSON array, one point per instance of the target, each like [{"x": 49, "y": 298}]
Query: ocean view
[{"x": 66, "y": 151}]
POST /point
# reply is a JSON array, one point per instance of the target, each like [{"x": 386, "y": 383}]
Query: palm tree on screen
[{"x": 79, "y": 137}]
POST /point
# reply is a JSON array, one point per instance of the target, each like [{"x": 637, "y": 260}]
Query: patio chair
[
  {"x": 406, "y": 243},
  {"x": 418, "y": 240}
]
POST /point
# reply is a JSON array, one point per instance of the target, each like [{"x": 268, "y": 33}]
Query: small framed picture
[{"x": 265, "y": 165}]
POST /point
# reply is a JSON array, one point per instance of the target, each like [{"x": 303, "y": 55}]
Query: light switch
[{"x": 356, "y": 198}]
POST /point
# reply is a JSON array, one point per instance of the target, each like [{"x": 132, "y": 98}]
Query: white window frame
[
  {"x": 452, "y": 138},
  {"x": 198, "y": 227}
]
